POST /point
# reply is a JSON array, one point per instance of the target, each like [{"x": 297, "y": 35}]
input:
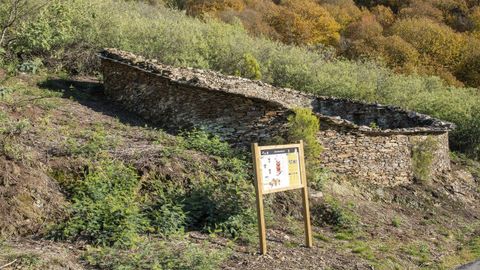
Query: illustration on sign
[{"x": 280, "y": 168}]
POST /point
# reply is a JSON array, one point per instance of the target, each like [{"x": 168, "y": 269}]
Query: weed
[
  {"x": 345, "y": 235},
  {"x": 321, "y": 237},
  {"x": 330, "y": 212},
  {"x": 13, "y": 128},
  {"x": 202, "y": 141},
  {"x": 373, "y": 125},
  {"x": 363, "y": 249},
  {"x": 157, "y": 255},
  {"x": 419, "y": 251},
  {"x": 5, "y": 92},
  {"x": 422, "y": 158},
  {"x": 27, "y": 261},
  {"x": 304, "y": 125},
  {"x": 31, "y": 66},
  {"x": 94, "y": 142},
  {"x": 396, "y": 222}
]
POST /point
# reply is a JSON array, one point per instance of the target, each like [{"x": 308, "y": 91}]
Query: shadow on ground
[{"x": 90, "y": 92}]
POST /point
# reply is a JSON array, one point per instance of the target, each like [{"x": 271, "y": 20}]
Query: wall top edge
[{"x": 285, "y": 97}]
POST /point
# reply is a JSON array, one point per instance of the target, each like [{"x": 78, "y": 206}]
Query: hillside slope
[{"x": 55, "y": 131}]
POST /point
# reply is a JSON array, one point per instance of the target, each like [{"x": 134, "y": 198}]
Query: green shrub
[
  {"x": 104, "y": 210},
  {"x": 304, "y": 125},
  {"x": 50, "y": 29},
  {"x": 203, "y": 141},
  {"x": 422, "y": 158},
  {"x": 31, "y": 66},
  {"x": 396, "y": 222},
  {"x": 249, "y": 68},
  {"x": 318, "y": 177},
  {"x": 163, "y": 206},
  {"x": 221, "y": 206}
]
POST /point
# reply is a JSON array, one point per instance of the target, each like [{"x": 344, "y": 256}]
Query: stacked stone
[{"x": 367, "y": 141}]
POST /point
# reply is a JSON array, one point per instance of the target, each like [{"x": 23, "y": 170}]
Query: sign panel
[{"x": 280, "y": 169}]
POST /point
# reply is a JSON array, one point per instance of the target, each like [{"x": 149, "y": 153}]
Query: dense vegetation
[
  {"x": 65, "y": 36},
  {"x": 438, "y": 37}
]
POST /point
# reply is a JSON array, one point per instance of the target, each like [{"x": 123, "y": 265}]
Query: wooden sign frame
[{"x": 256, "y": 151}]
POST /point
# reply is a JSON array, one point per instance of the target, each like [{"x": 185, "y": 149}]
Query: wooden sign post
[{"x": 280, "y": 168}]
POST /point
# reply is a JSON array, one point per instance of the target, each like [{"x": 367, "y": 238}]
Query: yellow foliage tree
[
  {"x": 366, "y": 28},
  {"x": 305, "y": 22},
  {"x": 200, "y": 7},
  {"x": 433, "y": 40},
  {"x": 422, "y": 9},
  {"x": 399, "y": 54},
  {"x": 384, "y": 15},
  {"x": 475, "y": 18},
  {"x": 344, "y": 12}
]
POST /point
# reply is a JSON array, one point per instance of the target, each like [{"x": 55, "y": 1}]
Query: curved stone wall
[{"x": 368, "y": 141}]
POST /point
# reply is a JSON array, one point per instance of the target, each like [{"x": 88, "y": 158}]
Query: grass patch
[
  {"x": 345, "y": 235},
  {"x": 332, "y": 212},
  {"x": 157, "y": 255},
  {"x": 468, "y": 252},
  {"x": 92, "y": 142},
  {"x": 363, "y": 249},
  {"x": 419, "y": 253}
]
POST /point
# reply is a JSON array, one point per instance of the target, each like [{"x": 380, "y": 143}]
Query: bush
[
  {"x": 202, "y": 141},
  {"x": 249, "y": 68},
  {"x": 422, "y": 158},
  {"x": 331, "y": 212},
  {"x": 162, "y": 205},
  {"x": 104, "y": 210},
  {"x": 304, "y": 125},
  {"x": 50, "y": 29}
]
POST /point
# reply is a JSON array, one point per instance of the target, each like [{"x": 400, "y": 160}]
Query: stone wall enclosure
[{"x": 364, "y": 141}]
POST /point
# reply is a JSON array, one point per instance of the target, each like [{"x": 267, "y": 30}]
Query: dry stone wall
[{"x": 365, "y": 141}]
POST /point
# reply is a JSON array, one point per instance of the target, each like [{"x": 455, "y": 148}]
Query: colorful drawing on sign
[{"x": 280, "y": 168}]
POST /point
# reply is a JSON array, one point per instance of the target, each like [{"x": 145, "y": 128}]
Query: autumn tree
[
  {"x": 475, "y": 18},
  {"x": 254, "y": 17},
  {"x": 200, "y": 7},
  {"x": 305, "y": 22},
  {"x": 399, "y": 54},
  {"x": 384, "y": 15},
  {"x": 433, "y": 40},
  {"x": 422, "y": 9},
  {"x": 344, "y": 12}
]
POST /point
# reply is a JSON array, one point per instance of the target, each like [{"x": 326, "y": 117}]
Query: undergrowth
[
  {"x": 157, "y": 254},
  {"x": 112, "y": 205},
  {"x": 422, "y": 158}
]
